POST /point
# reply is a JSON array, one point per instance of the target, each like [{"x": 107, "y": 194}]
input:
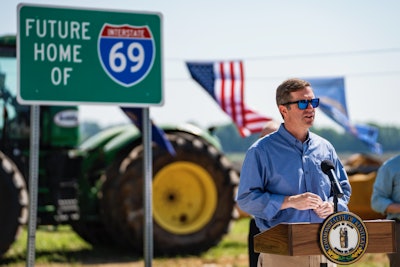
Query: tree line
[
  {"x": 232, "y": 142},
  {"x": 389, "y": 138}
]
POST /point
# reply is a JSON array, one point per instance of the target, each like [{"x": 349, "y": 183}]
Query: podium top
[{"x": 300, "y": 239}]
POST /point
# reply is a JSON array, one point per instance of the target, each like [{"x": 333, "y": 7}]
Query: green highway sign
[{"x": 70, "y": 56}]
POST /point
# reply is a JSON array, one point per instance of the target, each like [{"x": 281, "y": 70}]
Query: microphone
[{"x": 328, "y": 168}]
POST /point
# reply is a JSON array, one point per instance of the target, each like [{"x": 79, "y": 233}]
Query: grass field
[{"x": 61, "y": 247}]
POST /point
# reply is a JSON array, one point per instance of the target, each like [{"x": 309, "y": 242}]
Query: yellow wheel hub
[{"x": 184, "y": 197}]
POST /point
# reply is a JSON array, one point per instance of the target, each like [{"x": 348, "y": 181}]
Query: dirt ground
[
  {"x": 370, "y": 260},
  {"x": 239, "y": 261}
]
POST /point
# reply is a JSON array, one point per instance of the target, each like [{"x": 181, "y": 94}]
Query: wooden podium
[{"x": 301, "y": 239}]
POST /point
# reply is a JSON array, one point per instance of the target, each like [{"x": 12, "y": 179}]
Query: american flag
[{"x": 224, "y": 81}]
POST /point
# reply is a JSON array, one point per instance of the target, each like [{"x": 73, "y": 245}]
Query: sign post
[
  {"x": 33, "y": 183},
  {"x": 73, "y": 56}
]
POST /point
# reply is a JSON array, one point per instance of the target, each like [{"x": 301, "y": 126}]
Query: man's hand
[
  {"x": 305, "y": 201},
  {"x": 324, "y": 210}
]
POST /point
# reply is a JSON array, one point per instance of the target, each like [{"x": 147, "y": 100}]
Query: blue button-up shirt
[
  {"x": 387, "y": 187},
  {"x": 279, "y": 165}
]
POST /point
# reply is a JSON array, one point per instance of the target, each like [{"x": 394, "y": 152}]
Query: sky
[{"x": 276, "y": 39}]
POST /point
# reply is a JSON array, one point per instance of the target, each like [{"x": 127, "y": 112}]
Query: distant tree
[
  {"x": 389, "y": 138},
  {"x": 230, "y": 139}
]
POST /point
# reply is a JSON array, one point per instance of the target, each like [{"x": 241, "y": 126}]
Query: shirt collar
[
  {"x": 291, "y": 139},
  {"x": 286, "y": 135}
]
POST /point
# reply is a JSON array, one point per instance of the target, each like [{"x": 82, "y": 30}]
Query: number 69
[{"x": 120, "y": 57}]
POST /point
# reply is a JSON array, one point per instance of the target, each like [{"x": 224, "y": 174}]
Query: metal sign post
[
  {"x": 147, "y": 189},
  {"x": 33, "y": 183}
]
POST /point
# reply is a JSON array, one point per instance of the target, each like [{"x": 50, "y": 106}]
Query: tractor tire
[
  {"x": 13, "y": 203},
  {"x": 192, "y": 196},
  {"x": 107, "y": 200},
  {"x": 100, "y": 233}
]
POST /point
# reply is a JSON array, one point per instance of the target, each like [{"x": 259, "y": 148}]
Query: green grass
[
  {"x": 62, "y": 246},
  {"x": 235, "y": 243},
  {"x": 52, "y": 245}
]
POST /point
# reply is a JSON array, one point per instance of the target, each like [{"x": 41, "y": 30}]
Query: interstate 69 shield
[{"x": 126, "y": 52}]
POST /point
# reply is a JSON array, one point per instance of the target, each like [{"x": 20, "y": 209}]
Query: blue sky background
[{"x": 276, "y": 39}]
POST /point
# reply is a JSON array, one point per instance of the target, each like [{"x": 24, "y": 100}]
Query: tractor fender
[
  {"x": 195, "y": 130},
  {"x": 130, "y": 134},
  {"x": 102, "y": 138}
]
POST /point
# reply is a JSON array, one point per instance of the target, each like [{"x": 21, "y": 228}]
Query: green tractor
[{"x": 96, "y": 186}]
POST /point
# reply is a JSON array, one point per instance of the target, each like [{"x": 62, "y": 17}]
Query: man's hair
[{"x": 285, "y": 88}]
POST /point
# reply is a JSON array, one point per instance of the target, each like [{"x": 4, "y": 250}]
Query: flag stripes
[{"x": 224, "y": 81}]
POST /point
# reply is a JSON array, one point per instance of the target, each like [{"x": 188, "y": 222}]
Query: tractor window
[
  {"x": 8, "y": 86},
  {"x": 17, "y": 125}
]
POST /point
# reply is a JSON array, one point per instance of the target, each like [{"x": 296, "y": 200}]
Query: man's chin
[{"x": 310, "y": 121}]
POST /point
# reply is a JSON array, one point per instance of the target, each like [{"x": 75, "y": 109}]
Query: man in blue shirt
[
  {"x": 281, "y": 179},
  {"x": 385, "y": 198}
]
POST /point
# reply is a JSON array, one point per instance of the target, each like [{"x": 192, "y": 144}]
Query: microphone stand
[
  {"x": 323, "y": 262},
  {"x": 335, "y": 202},
  {"x": 336, "y": 194}
]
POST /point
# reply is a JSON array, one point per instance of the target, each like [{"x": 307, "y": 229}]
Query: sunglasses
[{"x": 303, "y": 104}]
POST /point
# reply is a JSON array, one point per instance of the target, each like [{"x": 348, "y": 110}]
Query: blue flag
[
  {"x": 158, "y": 135},
  {"x": 331, "y": 92}
]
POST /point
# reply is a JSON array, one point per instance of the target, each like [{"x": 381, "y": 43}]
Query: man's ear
[{"x": 283, "y": 110}]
